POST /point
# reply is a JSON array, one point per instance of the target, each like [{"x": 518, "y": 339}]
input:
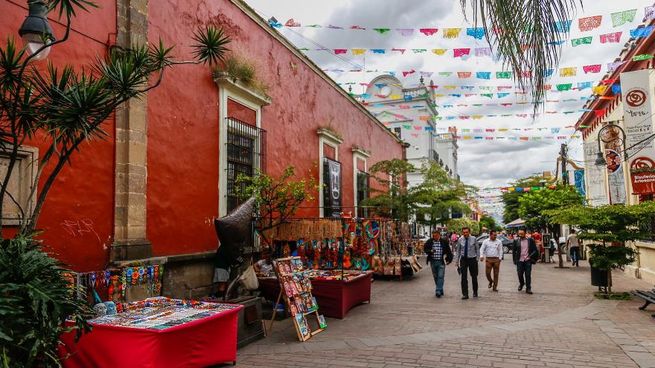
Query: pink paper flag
[
  {"x": 461, "y": 52},
  {"x": 340, "y": 51},
  {"x": 402, "y": 51},
  {"x": 614, "y": 37},
  {"x": 464, "y": 75},
  {"x": 591, "y": 68},
  {"x": 292, "y": 23},
  {"x": 406, "y": 73},
  {"x": 428, "y": 31}
]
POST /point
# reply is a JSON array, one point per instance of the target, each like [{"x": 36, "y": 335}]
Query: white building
[{"x": 411, "y": 114}]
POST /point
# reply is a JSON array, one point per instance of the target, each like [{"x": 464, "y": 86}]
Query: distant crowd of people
[{"x": 526, "y": 249}]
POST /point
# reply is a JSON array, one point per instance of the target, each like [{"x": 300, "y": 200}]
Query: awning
[{"x": 516, "y": 223}]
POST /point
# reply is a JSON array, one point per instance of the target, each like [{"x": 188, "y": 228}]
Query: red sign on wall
[{"x": 642, "y": 174}]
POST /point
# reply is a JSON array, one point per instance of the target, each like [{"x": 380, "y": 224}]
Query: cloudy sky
[{"x": 484, "y": 163}]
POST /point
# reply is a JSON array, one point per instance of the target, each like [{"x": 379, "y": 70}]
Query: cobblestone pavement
[{"x": 561, "y": 325}]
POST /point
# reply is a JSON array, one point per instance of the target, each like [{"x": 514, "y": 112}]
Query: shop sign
[
  {"x": 638, "y": 107},
  {"x": 332, "y": 188}
]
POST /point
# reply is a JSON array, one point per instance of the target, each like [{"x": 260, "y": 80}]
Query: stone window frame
[
  {"x": 229, "y": 89},
  {"x": 358, "y": 154},
  {"x": 325, "y": 136},
  {"x": 27, "y": 165}
]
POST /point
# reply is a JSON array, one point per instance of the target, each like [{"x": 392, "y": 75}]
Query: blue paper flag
[
  {"x": 616, "y": 89},
  {"x": 378, "y": 51},
  {"x": 477, "y": 33},
  {"x": 584, "y": 85},
  {"x": 483, "y": 75}
]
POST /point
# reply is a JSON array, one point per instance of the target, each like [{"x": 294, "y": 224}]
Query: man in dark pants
[
  {"x": 525, "y": 253},
  {"x": 467, "y": 255},
  {"x": 439, "y": 255}
]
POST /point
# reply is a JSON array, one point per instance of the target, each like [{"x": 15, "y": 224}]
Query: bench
[{"x": 647, "y": 296}]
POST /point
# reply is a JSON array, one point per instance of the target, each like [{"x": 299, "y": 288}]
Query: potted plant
[{"x": 610, "y": 227}]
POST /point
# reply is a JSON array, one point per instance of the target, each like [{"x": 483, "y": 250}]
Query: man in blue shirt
[
  {"x": 467, "y": 256},
  {"x": 439, "y": 255}
]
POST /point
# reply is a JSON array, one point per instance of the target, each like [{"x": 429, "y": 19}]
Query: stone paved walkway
[{"x": 561, "y": 325}]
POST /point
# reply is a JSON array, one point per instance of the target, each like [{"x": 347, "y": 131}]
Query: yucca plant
[{"x": 63, "y": 107}]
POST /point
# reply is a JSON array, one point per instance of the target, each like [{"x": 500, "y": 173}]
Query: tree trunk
[
  {"x": 560, "y": 259},
  {"x": 609, "y": 282}
]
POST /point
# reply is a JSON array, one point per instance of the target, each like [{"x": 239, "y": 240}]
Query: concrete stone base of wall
[{"x": 189, "y": 276}]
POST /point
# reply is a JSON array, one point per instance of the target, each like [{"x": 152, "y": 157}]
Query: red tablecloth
[
  {"x": 335, "y": 297},
  {"x": 201, "y": 343}
]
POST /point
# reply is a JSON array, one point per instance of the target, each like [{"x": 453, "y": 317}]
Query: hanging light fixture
[{"x": 36, "y": 31}]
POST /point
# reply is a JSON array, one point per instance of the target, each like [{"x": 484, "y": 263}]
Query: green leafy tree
[
  {"x": 276, "y": 198},
  {"x": 511, "y": 199},
  {"x": 488, "y": 222},
  {"x": 62, "y": 107},
  {"x": 396, "y": 202},
  {"x": 438, "y": 196},
  {"x": 534, "y": 207},
  {"x": 459, "y": 223},
  {"x": 611, "y": 227}
]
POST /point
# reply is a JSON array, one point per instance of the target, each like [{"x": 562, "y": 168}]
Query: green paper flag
[
  {"x": 503, "y": 75},
  {"x": 642, "y": 57},
  {"x": 621, "y": 18},
  {"x": 382, "y": 30},
  {"x": 581, "y": 41},
  {"x": 490, "y": 95},
  {"x": 564, "y": 87}
]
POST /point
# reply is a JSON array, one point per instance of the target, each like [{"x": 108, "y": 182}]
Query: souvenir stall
[
  {"x": 337, "y": 253},
  {"x": 155, "y": 330},
  {"x": 394, "y": 259},
  {"x": 158, "y": 332}
]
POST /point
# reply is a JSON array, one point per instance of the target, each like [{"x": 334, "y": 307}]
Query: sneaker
[
  {"x": 496, "y": 290},
  {"x": 490, "y": 285},
  {"x": 520, "y": 287},
  {"x": 465, "y": 297},
  {"x": 475, "y": 295},
  {"x": 528, "y": 291}
]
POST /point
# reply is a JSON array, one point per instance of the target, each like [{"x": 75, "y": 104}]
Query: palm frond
[{"x": 527, "y": 35}]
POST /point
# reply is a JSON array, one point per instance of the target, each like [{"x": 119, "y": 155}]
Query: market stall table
[
  {"x": 335, "y": 297},
  {"x": 174, "y": 334}
]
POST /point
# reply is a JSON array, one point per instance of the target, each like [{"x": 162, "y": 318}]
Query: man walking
[
  {"x": 574, "y": 245},
  {"x": 468, "y": 254},
  {"x": 525, "y": 254},
  {"x": 439, "y": 255},
  {"x": 491, "y": 253}
]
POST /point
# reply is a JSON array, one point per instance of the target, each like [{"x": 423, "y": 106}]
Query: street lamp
[
  {"x": 616, "y": 136},
  {"x": 36, "y": 31}
]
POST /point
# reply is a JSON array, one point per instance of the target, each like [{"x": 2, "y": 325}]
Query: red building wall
[
  {"x": 77, "y": 219},
  {"x": 183, "y": 142},
  {"x": 179, "y": 212}
]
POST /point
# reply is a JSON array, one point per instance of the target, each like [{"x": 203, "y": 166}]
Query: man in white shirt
[{"x": 491, "y": 253}]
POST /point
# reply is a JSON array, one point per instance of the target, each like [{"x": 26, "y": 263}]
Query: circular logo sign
[{"x": 635, "y": 97}]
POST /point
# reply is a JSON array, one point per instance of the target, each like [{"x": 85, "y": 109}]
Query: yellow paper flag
[
  {"x": 451, "y": 32},
  {"x": 568, "y": 72},
  {"x": 600, "y": 90},
  {"x": 439, "y": 51},
  {"x": 358, "y": 51}
]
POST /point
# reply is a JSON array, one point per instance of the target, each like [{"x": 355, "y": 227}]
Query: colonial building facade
[
  {"x": 151, "y": 190},
  {"x": 608, "y": 155}
]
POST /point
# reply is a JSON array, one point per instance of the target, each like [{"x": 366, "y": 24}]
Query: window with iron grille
[
  {"x": 362, "y": 192},
  {"x": 245, "y": 156}
]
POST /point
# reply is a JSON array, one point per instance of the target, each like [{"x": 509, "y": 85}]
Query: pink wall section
[
  {"x": 183, "y": 128},
  {"x": 77, "y": 219}
]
